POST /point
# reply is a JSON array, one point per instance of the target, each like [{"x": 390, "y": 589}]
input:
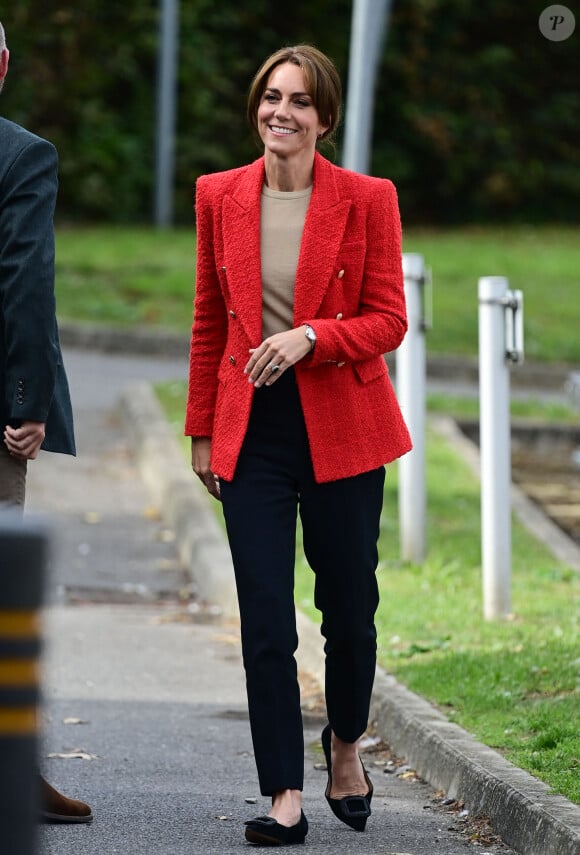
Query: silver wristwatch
[{"x": 310, "y": 335}]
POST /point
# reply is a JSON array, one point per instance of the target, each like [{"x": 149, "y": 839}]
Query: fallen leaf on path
[
  {"x": 168, "y": 564},
  {"x": 368, "y": 742},
  {"x": 151, "y": 513},
  {"x": 72, "y": 755},
  {"x": 226, "y": 638}
]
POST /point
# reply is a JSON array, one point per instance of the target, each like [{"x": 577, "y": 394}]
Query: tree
[{"x": 474, "y": 118}]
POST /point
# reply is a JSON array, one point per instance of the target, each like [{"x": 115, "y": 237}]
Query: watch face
[{"x": 310, "y": 334}]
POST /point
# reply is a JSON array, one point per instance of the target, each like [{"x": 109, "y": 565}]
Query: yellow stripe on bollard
[
  {"x": 19, "y": 624},
  {"x": 18, "y": 672},
  {"x": 21, "y": 721}
]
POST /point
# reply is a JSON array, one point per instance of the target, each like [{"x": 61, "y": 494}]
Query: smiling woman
[{"x": 299, "y": 295}]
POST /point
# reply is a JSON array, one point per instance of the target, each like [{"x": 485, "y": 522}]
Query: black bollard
[{"x": 23, "y": 555}]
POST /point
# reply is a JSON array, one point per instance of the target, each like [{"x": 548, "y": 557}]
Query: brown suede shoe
[{"x": 54, "y": 807}]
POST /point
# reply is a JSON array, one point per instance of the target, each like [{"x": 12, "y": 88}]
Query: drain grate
[{"x": 126, "y": 594}]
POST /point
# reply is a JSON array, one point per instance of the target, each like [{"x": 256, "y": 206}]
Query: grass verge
[
  {"x": 124, "y": 277},
  {"x": 520, "y": 408},
  {"x": 513, "y": 684},
  {"x": 540, "y": 261}
]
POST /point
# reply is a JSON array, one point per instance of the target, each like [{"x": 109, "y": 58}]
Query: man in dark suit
[{"x": 35, "y": 407}]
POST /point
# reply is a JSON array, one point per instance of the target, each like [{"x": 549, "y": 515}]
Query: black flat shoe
[
  {"x": 265, "y": 831},
  {"x": 352, "y": 810}
]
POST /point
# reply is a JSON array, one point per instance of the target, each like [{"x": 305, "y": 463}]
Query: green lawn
[
  {"x": 520, "y": 408},
  {"x": 125, "y": 277},
  {"x": 135, "y": 276},
  {"x": 542, "y": 262},
  {"x": 514, "y": 683}
]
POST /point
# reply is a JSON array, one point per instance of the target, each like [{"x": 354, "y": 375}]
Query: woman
[{"x": 299, "y": 294}]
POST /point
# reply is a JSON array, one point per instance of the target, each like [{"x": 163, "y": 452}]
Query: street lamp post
[
  {"x": 368, "y": 27},
  {"x": 166, "y": 111}
]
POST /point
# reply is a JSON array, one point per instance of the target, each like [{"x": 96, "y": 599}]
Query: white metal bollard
[
  {"x": 500, "y": 342},
  {"x": 411, "y": 383}
]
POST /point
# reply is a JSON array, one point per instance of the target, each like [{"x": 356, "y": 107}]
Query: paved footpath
[{"x": 145, "y": 711}]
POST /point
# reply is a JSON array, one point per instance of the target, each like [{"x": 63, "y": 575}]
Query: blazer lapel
[
  {"x": 241, "y": 235},
  {"x": 321, "y": 240}
]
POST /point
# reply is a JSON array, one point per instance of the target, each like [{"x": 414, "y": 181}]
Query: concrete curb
[
  {"x": 519, "y": 806},
  {"x": 148, "y": 341},
  {"x": 200, "y": 542}
]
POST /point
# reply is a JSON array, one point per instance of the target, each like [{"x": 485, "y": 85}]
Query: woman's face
[{"x": 288, "y": 121}]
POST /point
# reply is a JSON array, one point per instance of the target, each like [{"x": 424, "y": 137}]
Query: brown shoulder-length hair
[{"x": 321, "y": 79}]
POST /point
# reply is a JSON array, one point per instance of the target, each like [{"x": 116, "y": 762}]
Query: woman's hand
[
  {"x": 276, "y": 353},
  {"x": 24, "y": 442},
  {"x": 200, "y": 455}
]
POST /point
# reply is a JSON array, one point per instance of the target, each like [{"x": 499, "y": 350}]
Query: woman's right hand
[{"x": 200, "y": 456}]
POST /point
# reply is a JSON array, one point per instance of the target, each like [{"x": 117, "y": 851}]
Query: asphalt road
[{"x": 145, "y": 713}]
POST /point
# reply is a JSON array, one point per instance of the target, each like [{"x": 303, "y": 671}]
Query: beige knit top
[{"x": 282, "y": 222}]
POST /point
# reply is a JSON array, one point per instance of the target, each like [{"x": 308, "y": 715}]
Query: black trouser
[{"x": 340, "y": 522}]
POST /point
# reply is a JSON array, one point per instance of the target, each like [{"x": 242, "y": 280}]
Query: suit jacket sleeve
[{"x": 28, "y": 198}]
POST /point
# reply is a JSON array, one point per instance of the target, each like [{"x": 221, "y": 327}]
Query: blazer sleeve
[
  {"x": 29, "y": 191},
  {"x": 380, "y": 322},
  {"x": 209, "y": 329}
]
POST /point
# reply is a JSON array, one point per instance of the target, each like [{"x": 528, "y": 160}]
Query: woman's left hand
[{"x": 276, "y": 353}]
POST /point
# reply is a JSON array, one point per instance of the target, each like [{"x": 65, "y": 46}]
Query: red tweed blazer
[{"x": 349, "y": 288}]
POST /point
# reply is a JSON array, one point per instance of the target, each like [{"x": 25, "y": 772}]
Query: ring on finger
[{"x": 274, "y": 368}]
